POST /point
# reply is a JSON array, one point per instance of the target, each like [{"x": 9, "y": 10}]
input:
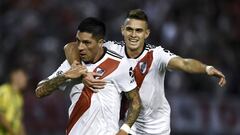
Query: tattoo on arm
[
  {"x": 134, "y": 106},
  {"x": 48, "y": 86}
]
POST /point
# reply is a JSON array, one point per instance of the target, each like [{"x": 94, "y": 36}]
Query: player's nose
[{"x": 80, "y": 46}]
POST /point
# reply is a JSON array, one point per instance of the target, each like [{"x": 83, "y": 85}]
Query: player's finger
[
  {"x": 75, "y": 63},
  {"x": 222, "y": 82},
  {"x": 96, "y": 74},
  {"x": 98, "y": 87},
  {"x": 95, "y": 81}
]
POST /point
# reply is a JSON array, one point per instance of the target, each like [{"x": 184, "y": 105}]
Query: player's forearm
[
  {"x": 48, "y": 86},
  {"x": 134, "y": 108},
  {"x": 193, "y": 66},
  {"x": 71, "y": 52}
]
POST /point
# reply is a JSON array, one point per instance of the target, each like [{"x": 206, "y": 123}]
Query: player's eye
[
  {"x": 139, "y": 30},
  {"x": 129, "y": 29},
  {"x": 78, "y": 41},
  {"x": 86, "y": 42}
]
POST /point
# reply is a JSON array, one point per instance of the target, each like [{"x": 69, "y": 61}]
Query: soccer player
[
  {"x": 95, "y": 113},
  {"x": 11, "y": 103},
  {"x": 150, "y": 65}
]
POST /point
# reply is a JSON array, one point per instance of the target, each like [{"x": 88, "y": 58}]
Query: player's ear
[
  {"x": 147, "y": 33},
  {"x": 122, "y": 29},
  {"x": 100, "y": 42}
]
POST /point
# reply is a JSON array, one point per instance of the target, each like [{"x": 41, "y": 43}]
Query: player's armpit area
[
  {"x": 71, "y": 52},
  {"x": 134, "y": 106}
]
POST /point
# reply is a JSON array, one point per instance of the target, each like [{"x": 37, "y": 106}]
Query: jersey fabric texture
[
  {"x": 149, "y": 69},
  {"x": 98, "y": 113}
]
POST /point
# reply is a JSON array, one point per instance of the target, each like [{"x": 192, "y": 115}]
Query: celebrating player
[
  {"x": 150, "y": 65},
  {"x": 95, "y": 113}
]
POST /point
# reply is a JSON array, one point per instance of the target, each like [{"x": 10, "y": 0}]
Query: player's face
[
  {"x": 20, "y": 79},
  {"x": 88, "y": 46},
  {"x": 135, "y": 32}
]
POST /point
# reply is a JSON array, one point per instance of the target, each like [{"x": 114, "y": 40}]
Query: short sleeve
[
  {"x": 125, "y": 79},
  {"x": 162, "y": 57},
  {"x": 65, "y": 66}
]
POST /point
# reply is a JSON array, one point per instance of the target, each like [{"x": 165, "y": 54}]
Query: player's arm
[
  {"x": 134, "y": 106},
  {"x": 71, "y": 52},
  {"x": 5, "y": 124},
  {"x": 133, "y": 111},
  {"x": 195, "y": 66},
  {"x": 46, "y": 87}
]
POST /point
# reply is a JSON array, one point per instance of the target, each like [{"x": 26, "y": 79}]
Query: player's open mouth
[
  {"x": 82, "y": 54},
  {"x": 133, "y": 41}
]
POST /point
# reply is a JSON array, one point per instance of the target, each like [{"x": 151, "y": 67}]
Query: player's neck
[
  {"x": 134, "y": 53},
  {"x": 14, "y": 86},
  {"x": 99, "y": 55}
]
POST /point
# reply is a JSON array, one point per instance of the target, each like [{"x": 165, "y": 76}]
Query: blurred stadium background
[{"x": 33, "y": 33}]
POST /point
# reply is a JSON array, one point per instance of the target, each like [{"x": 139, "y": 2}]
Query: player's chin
[
  {"x": 133, "y": 46},
  {"x": 84, "y": 59}
]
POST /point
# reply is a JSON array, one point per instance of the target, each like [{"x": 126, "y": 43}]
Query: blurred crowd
[{"x": 33, "y": 33}]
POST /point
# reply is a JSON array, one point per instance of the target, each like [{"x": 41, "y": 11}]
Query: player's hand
[
  {"x": 76, "y": 71},
  {"x": 94, "y": 84},
  {"x": 211, "y": 71},
  {"x": 121, "y": 132}
]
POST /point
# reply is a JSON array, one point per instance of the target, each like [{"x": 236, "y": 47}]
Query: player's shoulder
[
  {"x": 150, "y": 46},
  {"x": 113, "y": 54},
  {"x": 5, "y": 88},
  {"x": 118, "y": 43}
]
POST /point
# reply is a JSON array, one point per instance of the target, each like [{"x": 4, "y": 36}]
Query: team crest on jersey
[
  {"x": 100, "y": 71},
  {"x": 143, "y": 67}
]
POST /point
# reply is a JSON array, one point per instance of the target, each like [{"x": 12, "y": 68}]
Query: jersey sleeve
[
  {"x": 65, "y": 66},
  {"x": 162, "y": 56},
  {"x": 125, "y": 79}
]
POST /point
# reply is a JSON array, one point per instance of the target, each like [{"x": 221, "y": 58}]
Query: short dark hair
[
  {"x": 94, "y": 26},
  {"x": 138, "y": 14}
]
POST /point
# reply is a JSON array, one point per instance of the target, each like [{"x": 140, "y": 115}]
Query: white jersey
[
  {"x": 150, "y": 67},
  {"x": 98, "y": 113}
]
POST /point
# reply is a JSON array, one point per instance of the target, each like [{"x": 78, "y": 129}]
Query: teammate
[
  {"x": 94, "y": 113},
  {"x": 150, "y": 65},
  {"x": 11, "y": 103}
]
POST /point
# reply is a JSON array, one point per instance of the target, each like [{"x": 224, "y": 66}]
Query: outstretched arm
[
  {"x": 133, "y": 111},
  {"x": 195, "y": 66},
  {"x": 46, "y": 87}
]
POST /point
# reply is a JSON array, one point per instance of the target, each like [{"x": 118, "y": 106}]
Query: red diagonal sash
[
  {"x": 140, "y": 71},
  {"x": 84, "y": 101}
]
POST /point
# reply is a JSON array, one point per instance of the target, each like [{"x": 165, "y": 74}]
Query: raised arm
[
  {"x": 47, "y": 86},
  {"x": 195, "y": 66},
  {"x": 133, "y": 111},
  {"x": 71, "y": 52}
]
